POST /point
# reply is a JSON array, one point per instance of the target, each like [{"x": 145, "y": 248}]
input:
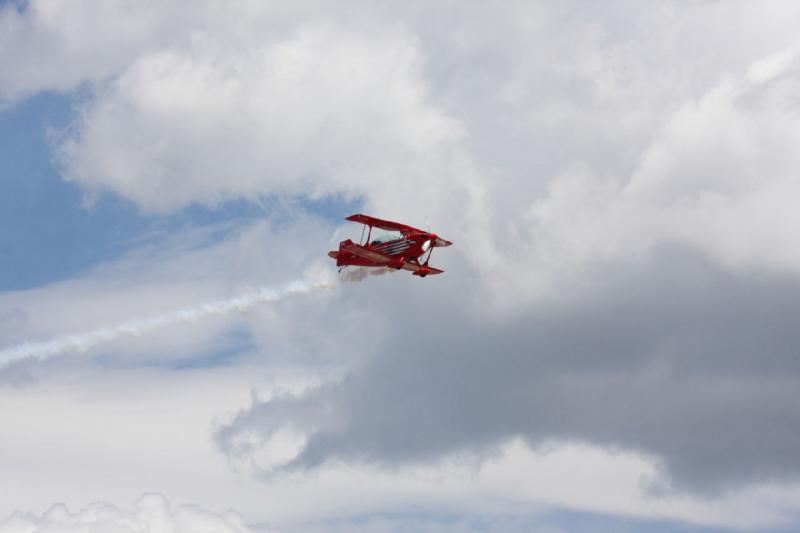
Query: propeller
[{"x": 428, "y": 246}]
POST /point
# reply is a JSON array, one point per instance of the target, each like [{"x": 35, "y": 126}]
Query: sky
[{"x": 613, "y": 345}]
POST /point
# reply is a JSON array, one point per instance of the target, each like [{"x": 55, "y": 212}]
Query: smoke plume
[
  {"x": 354, "y": 275},
  {"x": 83, "y": 341}
]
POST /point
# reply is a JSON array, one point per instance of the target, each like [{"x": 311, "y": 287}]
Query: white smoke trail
[
  {"x": 80, "y": 342},
  {"x": 357, "y": 274}
]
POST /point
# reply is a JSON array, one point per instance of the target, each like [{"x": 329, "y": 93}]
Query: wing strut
[{"x": 430, "y": 253}]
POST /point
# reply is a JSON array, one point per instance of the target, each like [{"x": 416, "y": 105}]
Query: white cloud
[
  {"x": 323, "y": 111},
  {"x": 151, "y": 514},
  {"x": 555, "y": 144},
  {"x": 151, "y": 428},
  {"x": 717, "y": 178},
  {"x": 620, "y": 147},
  {"x": 54, "y": 45}
]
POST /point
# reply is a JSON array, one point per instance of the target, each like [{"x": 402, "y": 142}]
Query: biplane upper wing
[
  {"x": 387, "y": 225},
  {"x": 366, "y": 253}
]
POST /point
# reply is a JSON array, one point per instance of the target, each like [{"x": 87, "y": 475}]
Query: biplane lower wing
[
  {"x": 415, "y": 268},
  {"x": 384, "y": 260},
  {"x": 366, "y": 253}
]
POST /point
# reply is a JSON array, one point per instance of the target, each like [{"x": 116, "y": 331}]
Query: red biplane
[{"x": 393, "y": 245}]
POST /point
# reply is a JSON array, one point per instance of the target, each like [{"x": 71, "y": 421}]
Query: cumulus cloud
[
  {"x": 151, "y": 428},
  {"x": 152, "y": 513},
  {"x": 717, "y": 178},
  {"x": 658, "y": 276},
  {"x": 50, "y": 45},
  {"x": 677, "y": 358},
  {"x": 323, "y": 111},
  {"x": 618, "y": 178},
  {"x": 618, "y": 148}
]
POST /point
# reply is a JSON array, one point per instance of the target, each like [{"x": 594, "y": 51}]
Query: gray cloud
[
  {"x": 619, "y": 178},
  {"x": 676, "y": 359},
  {"x": 641, "y": 285}
]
